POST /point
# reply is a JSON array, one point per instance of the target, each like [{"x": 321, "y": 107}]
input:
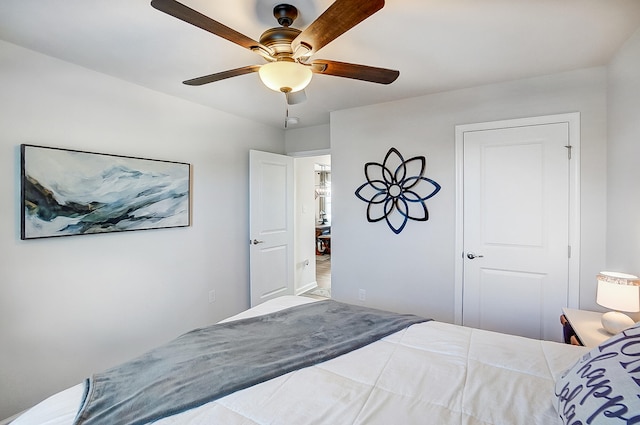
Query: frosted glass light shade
[{"x": 285, "y": 76}]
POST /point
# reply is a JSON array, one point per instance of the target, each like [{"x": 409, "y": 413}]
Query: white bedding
[{"x": 430, "y": 373}]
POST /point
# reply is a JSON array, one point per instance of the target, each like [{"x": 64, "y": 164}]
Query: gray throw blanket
[{"x": 206, "y": 364}]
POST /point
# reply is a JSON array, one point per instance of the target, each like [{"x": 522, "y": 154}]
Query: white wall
[
  {"x": 414, "y": 271},
  {"x": 71, "y": 306},
  {"x": 307, "y": 139},
  {"x": 623, "y": 188}
]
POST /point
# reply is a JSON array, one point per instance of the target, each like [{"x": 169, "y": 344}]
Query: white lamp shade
[
  {"x": 618, "y": 296},
  {"x": 620, "y": 292},
  {"x": 285, "y": 76}
]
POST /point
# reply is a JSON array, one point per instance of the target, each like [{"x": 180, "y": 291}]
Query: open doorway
[
  {"x": 322, "y": 197},
  {"x": 313, "y": 248}
]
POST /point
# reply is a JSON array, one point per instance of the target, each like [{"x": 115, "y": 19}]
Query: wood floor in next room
[{"x": 323, "y": 278}]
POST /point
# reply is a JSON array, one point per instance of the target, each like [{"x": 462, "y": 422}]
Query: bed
[{"x": 428, "y": 373}]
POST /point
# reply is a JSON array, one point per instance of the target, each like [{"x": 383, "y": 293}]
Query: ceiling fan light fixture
[{"x": 285, "y": 76}]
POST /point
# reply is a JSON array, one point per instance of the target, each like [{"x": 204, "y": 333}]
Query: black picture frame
[{"x": 67, "y": 192}]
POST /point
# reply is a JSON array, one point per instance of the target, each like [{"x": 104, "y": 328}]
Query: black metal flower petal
[{"x": 395, "y": 190}]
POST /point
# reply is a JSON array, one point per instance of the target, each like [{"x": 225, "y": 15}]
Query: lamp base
[{"x": 615, "y": 322}]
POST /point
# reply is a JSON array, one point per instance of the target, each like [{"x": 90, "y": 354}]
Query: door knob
[
  {"x": 471, "y": 255},
  {"x": 256, "y": 242}
]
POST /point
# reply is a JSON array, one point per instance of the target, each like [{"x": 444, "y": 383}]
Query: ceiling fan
[{"x": 288, "y": 50}]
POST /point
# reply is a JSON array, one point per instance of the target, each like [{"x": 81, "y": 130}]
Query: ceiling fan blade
[
  {"x": 339, "y": 18},
  {"x": 222, "y": 75},
  {"x": 190, "y": 16},
  {"x": 356, "y": 72}
]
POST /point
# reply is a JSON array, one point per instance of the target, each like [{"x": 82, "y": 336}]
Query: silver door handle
[
  {"x": 471, "y": 256},
  {"x": 256, "y": 242}
]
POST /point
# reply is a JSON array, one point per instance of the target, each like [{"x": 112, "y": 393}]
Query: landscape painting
[{"x": 67, "y": 192}]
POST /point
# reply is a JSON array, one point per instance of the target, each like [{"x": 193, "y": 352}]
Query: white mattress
[{"x": 430, "y": 373}]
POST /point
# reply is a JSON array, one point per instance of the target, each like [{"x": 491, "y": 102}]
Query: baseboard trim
[{"x": 306, "y": 288}]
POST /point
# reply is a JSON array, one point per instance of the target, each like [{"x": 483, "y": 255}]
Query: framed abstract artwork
[{"x": 67, "y": 192}]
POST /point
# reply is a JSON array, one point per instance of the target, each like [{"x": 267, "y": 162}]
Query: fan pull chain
[{"x": 286, "y": 115}]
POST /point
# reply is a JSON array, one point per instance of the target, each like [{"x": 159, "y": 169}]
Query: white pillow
[{"x": 603, "y": 387}]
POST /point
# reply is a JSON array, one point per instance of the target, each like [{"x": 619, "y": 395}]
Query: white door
[
  {"x": 516, "y": 226},
  {"x": 271, "y": 226}
]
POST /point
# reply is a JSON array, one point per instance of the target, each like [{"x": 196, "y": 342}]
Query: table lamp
[{"x": 619, "y": 292}]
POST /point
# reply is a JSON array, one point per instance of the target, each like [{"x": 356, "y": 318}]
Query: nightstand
[{"x": 587, "y": 326}]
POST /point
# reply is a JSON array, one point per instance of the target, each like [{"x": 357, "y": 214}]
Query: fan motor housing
[{"x": 279, "y": 39}]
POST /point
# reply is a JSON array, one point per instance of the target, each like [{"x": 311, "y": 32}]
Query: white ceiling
[{"x": 437, "y": 45}]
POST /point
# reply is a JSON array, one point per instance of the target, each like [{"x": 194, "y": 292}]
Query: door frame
[{"x": 573, "y": 121}]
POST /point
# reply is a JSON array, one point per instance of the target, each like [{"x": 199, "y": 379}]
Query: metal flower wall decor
[{"x": 396, "y": 190}]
